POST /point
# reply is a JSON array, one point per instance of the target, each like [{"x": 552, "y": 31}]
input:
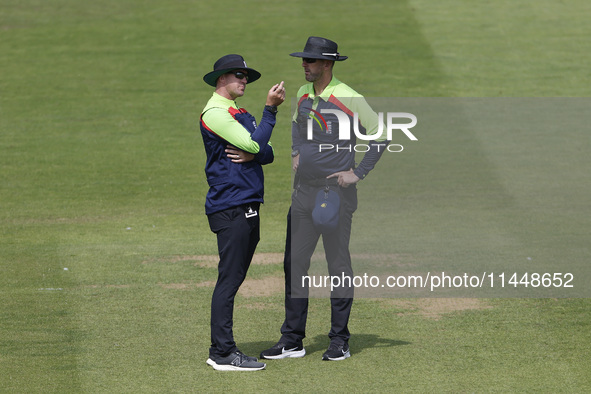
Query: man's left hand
[
  {"x": 237, "y": 155},
  {"x": 345, "y": 178}
]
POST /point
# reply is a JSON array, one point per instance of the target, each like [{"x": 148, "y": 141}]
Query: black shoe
[
  {"x": 337, "y": 352},
  {"x": 248, "y": 357},
  {"x": 236, "y": 361},
  {"x": 283, "y": 350}
]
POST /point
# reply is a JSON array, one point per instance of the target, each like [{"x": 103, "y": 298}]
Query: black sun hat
[
  {"x": 320, "y": 48},
  {"x": 228, "y": 63}
]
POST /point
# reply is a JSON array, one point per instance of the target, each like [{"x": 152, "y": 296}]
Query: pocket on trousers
[{"x": 223, "y": 219}]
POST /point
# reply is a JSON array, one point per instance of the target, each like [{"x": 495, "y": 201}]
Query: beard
[{"x": 311, "y": 77}]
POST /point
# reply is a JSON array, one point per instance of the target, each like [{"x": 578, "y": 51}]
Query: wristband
[{"x": 271, "y": 108}]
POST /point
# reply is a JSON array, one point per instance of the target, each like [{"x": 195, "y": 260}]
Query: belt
[
  {"x": 320, "y": 182},
  {"x": 253, "y": 205}
]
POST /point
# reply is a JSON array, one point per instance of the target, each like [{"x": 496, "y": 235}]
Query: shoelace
[
  {"x": 245, "y": 357},
  {"x": 240, "y": 358}
]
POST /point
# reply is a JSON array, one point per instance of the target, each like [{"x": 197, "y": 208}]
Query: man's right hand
[
  {"x": 276, "y": 95},
  {"x": 295, "y": 163}
]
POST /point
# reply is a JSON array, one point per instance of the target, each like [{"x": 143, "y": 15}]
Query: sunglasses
[
  {"x": 309, "y": 60},
  {"x": 239, "y": 74}
]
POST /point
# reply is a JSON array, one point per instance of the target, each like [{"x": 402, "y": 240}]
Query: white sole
[
  {"x": 223, "y": 367},
  {"x": 292, "y": 354}
]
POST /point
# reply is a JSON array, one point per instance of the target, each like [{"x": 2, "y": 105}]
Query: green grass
[{"x": 101, "y": 172}]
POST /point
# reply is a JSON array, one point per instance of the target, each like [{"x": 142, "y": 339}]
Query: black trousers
[
  {"x": 237, "y": 238},
  {"x": 302, "y": 238}
]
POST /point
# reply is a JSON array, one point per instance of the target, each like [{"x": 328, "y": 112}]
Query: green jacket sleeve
[{"x": 225, "y": 126}]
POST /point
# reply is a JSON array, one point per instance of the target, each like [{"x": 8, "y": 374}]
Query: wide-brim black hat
[
  {"x": 229, "y": 63},
  {"x": 320, "y": 48}
]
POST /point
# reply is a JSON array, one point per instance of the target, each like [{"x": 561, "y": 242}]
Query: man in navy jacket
[{"x": 236, "y": 149}]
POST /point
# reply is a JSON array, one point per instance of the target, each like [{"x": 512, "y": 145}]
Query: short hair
[{"x": 331, "y": 62}]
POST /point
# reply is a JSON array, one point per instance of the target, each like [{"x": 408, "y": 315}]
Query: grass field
[{"x": 105, "y": 254}]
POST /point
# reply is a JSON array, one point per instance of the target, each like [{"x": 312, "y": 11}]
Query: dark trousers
[
  {"x": 302, "y": 238},
  {"x": 237, "y": 238}
]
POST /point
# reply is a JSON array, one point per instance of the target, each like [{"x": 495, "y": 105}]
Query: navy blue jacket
[{"x": 233, "y": 184}]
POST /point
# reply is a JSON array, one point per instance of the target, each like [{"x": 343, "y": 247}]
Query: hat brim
[
  {"x": 317, "y": 56},
  {"x": 212, "y": 77}
]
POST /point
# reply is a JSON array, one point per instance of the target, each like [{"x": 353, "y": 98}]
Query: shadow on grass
[
  {"x": 358, "y": 343},
  {"x": 319, "y": 344}
]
